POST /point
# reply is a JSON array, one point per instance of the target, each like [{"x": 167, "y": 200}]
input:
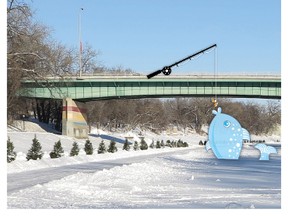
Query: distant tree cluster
[
  {"x": 256, "y": 118},
  {"x": 157, "y": 115},
  {"x": 171, "y": 144}
]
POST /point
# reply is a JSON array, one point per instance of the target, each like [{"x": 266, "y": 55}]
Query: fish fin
[
  {"x": 219, "y": 109},
  {"x": 207, "y": 146},
  {"x": 259, "y": 146},
  {"x": 271, "y": 150},
  {"x": 265, "y": 148},
  {"x": 245, "y": 134}
]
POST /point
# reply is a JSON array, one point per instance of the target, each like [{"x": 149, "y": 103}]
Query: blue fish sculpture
[
  {"x": 265, "y": 151},
  {"x": 225, "y": 136}
]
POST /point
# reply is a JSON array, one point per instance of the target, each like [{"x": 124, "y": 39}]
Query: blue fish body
[{"x": 225, "y": 136}]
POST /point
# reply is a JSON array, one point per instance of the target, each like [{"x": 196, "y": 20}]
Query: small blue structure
[
  {"x": 225, "y": 136},
  {"x": 265, "y": 151}
]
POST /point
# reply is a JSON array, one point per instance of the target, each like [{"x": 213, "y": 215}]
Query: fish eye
[{"x": 227, "y": 123}]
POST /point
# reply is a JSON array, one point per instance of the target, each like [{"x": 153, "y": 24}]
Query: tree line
[
  {"x": 158, "y": 115},
  {"x": 193, "y": 113},
  {"x": 36, "y": 153}
]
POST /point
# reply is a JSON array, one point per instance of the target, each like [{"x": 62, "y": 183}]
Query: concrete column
[{"x": 74, "y": 119}]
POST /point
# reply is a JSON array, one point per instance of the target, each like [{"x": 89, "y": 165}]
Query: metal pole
[{"x": 80, "y": 43}]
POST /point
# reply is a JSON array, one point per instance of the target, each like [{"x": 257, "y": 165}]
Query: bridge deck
[
  {"x": 171, "y": 78},
  {"x": 109, "y": 87}
]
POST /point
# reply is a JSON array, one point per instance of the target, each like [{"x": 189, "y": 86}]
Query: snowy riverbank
[
  {"x": 22, "y": 142},
  {"x": 189, "y": 178},
  {"x": 193, "y": 180}
]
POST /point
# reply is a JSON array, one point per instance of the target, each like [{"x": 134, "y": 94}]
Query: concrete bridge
[
  {"x": 74, "y": 91},
  {"x": 111, "y": 87}
]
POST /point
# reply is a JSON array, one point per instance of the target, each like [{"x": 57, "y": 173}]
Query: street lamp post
[{"x": 80, "y": 42}]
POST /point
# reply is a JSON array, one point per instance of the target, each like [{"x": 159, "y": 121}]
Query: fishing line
[
  {"x": 215, "y": 71},
  {"x": 214, "y": 100}
]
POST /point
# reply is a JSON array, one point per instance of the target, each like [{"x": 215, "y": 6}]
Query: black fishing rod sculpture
[{"x": 167, "y": 69}]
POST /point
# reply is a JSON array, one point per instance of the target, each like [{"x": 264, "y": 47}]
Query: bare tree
[
  {"x": 59, "y": 59},
  {"x": 89, "y": 62},
  {"x": 32, "y": 55},
  {"x": 23, "y": 59},
  {"x": 157, "y": 115}
]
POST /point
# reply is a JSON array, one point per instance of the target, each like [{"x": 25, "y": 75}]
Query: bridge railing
[{"x": 108, "y": 87}]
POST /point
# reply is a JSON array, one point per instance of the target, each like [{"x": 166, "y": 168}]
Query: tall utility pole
[{"x": 80, "y": 42}]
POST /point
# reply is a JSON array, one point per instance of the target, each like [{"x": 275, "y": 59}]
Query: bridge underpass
[{"x": 75, "y": 92}]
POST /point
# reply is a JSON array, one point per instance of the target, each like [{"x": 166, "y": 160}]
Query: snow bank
[
  {"x": 46, "y": 162},
  {"x": 193, "y": 180},
  {"x": 31, "y": 125},
  {"x": 23, "y": 140}
]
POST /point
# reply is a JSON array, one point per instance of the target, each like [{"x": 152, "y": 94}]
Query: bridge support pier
[{"x": 74, "y": 119}]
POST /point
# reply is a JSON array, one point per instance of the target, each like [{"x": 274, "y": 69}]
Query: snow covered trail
[
  {"x": 195, "y": 179},
  {"x": 22, "y": 180}
]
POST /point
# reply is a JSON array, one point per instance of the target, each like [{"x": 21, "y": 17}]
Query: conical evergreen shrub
[
  {"x": 174, "y": 144},
  {"x": 162, "y": 144},
  {"x": 75, "y": 149},
  {"x": 179, "y": 143},
  {"x": 169, "y": 144},
  {"x": 102, "y": 148},
  {"x": 126, "y": 145},
  {"x": 88, "y": 148},
  {"x": 35, "y": 152},
  {"x": 143, "y": 145},
  {"x": 11, "y": 154},
  {"x": 136, "y": 146},
  {"x": 57, "y": 150},
  {"x": 185, "y": 144},
  {"x": 152, "y": 145},
  {"x": 112, "y": 147},
  {"x": 158, "y": 145}
]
